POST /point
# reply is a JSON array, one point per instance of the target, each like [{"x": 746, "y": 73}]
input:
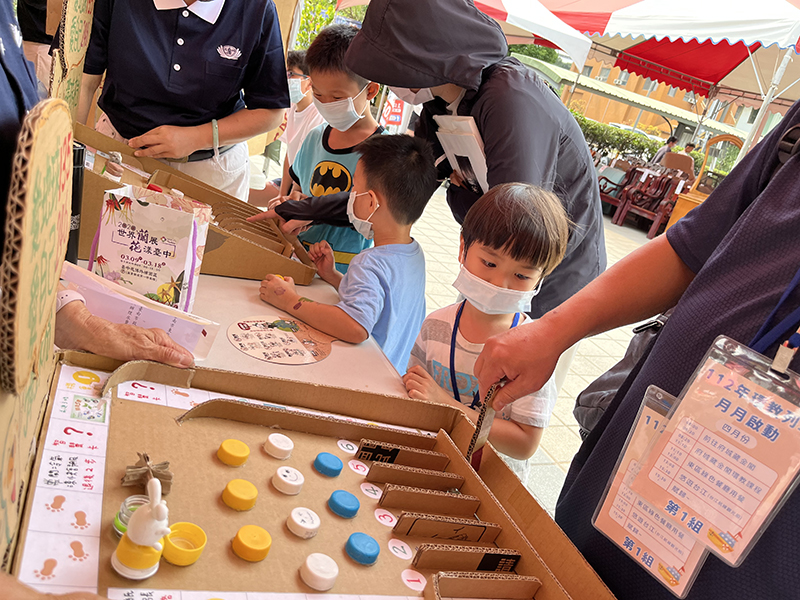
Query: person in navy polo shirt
[{"x": 185, "y": 76}]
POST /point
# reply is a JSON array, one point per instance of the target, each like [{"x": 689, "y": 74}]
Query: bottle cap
[
  {"x": 303, "y": 522},
  {"x": 279, "y": 446},
  {"x": 233, "y": 453},
  {"x": 362, "y": 548},
  {"x": 344, "y": 504},
  {"x": 252, "y": 543},
  {"x": 327, "y": 464},
  {"x": 240, "y": 494},
  {"x": 133, "y": 561},
  {"x": 184, "y": 544},
  {"x": 288, "y": 480},
  {"x": 319, "y": 572}
]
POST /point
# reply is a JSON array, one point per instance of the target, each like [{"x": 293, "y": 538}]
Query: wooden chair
[
  {"x": 681, "y": 162},
  {"x": 655, "y": 207},
  {"x": 611, "y": 191},
  {"x": 647, "y": 185}
]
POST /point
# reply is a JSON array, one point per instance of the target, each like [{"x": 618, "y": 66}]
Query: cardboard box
[
  {"x": 191, "y": 441},
  {"x": 233, "y": 249}
]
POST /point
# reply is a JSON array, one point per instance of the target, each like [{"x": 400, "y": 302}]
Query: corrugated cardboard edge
[
  {"x": 380, "y": 472},
  {"x": 455, "y": 584},
  {"x": 576, "y": 576},
  {"x": 466, "y": 558},
  {"x": 411, "y": 457},
  {"x": 405, "y": 411},
  {"x": 461, "y": 505},
  {"x": 270, "y": 416}
]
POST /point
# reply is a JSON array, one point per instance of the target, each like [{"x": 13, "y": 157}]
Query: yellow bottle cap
[
  {"x": 252, "y": 543},
  {"x": 136, "y": 557},
  {"x": 184, "y": 544},
  {"x": 240, "y": 494},
  {"x": 233, "y": 453}
]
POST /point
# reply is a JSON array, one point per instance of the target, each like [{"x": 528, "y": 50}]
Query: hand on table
[
  {"x": 77, "y": 328},
  {"x": 167, "y": 141},
  {"x": 278, "y": 291},
  {"x": 526, "y": 356}
]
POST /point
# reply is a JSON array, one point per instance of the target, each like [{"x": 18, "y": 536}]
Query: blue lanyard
[
  {"x": 453, "y": 382},
  {"x": 768, "y": 335}
]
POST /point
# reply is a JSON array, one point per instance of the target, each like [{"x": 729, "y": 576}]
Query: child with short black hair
[
  {"x": 383, "y": 291},
  {"x": 511, "y": 239},
  {"x": 326, "y": 162}
]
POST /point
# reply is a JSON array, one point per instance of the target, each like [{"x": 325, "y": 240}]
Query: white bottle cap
[
  {"x": 319, "y": 572},
  {"x": 303, "y": 522},
  {"x": 279, "y": 446},
  {"x": 288, "y": 480}
]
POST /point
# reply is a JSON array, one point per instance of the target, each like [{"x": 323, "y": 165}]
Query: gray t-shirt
[{"x": 742, "y": 243}]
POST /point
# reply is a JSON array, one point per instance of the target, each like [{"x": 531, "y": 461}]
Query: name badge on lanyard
[{"x": 729, "y": 456}]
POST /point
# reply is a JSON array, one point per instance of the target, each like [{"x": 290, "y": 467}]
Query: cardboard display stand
[{"x": 234, "y": 248}]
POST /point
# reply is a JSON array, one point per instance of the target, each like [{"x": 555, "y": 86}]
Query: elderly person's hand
[{"x": 78, "y": 329}]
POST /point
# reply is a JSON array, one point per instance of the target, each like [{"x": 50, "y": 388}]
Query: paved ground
[{"x": 438, "y": 234}]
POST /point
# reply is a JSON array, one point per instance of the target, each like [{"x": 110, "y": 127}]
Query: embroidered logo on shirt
[{"x": 229, "y": 52}]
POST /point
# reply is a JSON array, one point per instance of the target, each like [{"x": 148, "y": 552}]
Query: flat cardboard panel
[
  {"x": 401, "y": 455},
  {"x": 421, "y": 500},
  {"x": 446, "y": 528},
  {"x": 411, "y": 476},
  {"x": 441, "y": 557}
]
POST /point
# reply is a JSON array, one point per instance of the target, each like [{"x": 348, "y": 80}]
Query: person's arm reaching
[
  {"x": 286, "y": 181},
  {"x": 646, "y": 282},
  {"x": 89, "y": 85},
  {"x": 280, "y": 292},
  {"x": 169, "y": 141}
]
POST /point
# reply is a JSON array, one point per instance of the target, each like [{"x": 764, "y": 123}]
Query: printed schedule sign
[
  {"x": 648, "y": 535},
  {"x": 726, "y": 460}
]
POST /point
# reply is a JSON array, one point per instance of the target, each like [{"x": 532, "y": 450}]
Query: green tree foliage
[
  {"x": 604, "y": 139},
  {"x": 541, "y": 52},
  {"x": 316, "y": 15}
]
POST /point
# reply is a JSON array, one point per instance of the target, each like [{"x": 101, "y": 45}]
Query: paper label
[
  {"x": 645, "y": 533},
  {"x": 725, "y": 460},
  {"x": 282, "y": 341}
]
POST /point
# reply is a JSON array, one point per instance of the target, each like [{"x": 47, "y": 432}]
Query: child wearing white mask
[
  {"x": 383, "y": 292},
  {"x": 511, "y": 239},
  {"x": 326, "y": 161}
]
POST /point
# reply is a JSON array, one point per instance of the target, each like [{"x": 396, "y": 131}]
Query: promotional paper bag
[{"x": 151, "y": 243}]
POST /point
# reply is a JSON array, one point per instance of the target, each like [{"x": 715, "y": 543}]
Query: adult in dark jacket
[{"x": 528, "y": 134}]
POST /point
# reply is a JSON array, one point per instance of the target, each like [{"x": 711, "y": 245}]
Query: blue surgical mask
[
  {"x": 295, "y": 93},
  {"x": 362, "y": 226},
  {"x": 340, "y": 114}
]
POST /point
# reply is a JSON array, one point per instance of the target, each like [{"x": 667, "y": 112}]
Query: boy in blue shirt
[{"x": 383, "y": 292}]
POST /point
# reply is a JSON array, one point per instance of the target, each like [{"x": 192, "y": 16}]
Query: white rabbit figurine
[{"x": 148, "y": 523}]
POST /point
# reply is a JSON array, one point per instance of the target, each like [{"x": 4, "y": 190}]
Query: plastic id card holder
[
  {"x": 645, "y": 533},
  {"x": 730, "y": 454}
]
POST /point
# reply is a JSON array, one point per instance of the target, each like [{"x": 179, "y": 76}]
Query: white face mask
[
  {"x": 340, "y": 114},
  {"x": 491, "y": 299},
  {"x": 362, "y": 226},
  {"x": 420, "y": 97},
  {"x": 295, "y": 92}
]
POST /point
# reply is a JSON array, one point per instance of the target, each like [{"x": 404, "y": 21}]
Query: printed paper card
[
  {"x": 283, "y": 341},
  {"x": 641, "y": 530},
  {"x": 725, "y": 461}
]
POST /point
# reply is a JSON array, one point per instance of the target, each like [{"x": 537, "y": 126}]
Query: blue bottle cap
[
  {"x": 362, "y": 548},
  {"x": 344, "y": 504},
  {"x": 328, "y": 464}
]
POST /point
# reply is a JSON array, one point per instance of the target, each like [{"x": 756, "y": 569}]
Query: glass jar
[{"x": 128, "y": 507}]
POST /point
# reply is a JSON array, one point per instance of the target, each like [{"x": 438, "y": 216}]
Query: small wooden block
[
  {"x": 482, "y": 585},
  {"x": 402, "y": 455},
  {"x": 412, "y": 476},
  {"x": 442, "y": 557},
  {"x": 431, "y": 501},
  {"x": 446, "y": 528}
]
